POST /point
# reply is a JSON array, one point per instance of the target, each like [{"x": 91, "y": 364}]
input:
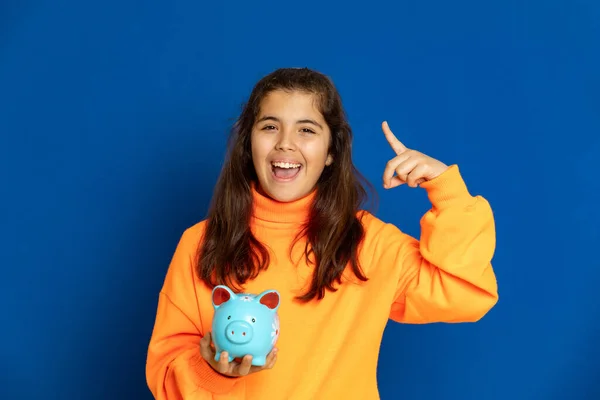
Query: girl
[{"x": 286, "y": 215}]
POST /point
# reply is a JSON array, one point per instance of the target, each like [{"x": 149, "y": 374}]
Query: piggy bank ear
[
  {"x": 269, "y": 298},
  {"x": 221, "y": 294}
]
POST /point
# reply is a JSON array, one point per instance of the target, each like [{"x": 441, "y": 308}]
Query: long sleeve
[
  {"x": 447, "y": 275},
  {"x": 175, "y": 368}
]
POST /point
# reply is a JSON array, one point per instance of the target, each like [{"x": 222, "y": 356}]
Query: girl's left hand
[{"x": 412, "y": 167}]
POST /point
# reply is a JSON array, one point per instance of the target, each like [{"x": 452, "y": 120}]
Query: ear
[
  {"x": 221, "y": 294},
  {"x": 329, "y": 160},
  {"x": 269, "y": 298}
]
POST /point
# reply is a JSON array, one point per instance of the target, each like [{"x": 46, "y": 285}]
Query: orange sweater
[{"x": 329, "y": 350}]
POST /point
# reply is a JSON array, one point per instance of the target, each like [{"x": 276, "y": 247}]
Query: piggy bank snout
[{"x": 239, "y": 332}]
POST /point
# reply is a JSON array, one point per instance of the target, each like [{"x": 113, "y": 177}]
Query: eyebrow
[{"x": 301, "y": 121}]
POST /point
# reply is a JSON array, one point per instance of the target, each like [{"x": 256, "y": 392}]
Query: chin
[{"x": 282, "y": 193}]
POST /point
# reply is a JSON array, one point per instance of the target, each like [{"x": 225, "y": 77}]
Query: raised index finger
[{"x": 397, "y": 145}]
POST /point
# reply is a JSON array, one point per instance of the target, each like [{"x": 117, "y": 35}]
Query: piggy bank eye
[
  {"x": 229, "y": 317},
  {"x": 253, "y": 320}
]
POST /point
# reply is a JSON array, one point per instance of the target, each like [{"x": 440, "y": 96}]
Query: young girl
[{"x": 286, "y": 215}]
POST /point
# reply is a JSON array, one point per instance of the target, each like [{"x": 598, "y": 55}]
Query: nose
[
  {"x": 285, "y": 141},
  {"x": 239, "y": 332}
]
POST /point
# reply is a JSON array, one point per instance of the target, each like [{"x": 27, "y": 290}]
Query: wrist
[
  {"x": 447, "y": 187},
  {"x": 209, "y": 378}
]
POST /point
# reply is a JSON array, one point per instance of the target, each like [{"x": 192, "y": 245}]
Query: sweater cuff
[
  {"x": 209, "y": 379},
  {"x": 446, "y": 188}
]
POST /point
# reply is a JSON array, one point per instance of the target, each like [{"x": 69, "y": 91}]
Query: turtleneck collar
[{"x": 268, "y": 209}]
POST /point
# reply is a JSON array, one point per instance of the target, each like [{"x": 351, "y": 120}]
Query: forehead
[{"x": 290, "y": 104}]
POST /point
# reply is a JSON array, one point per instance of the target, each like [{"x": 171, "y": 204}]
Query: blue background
[{"x": 113, "y": 121}]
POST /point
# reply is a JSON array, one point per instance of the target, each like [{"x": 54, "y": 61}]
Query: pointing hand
[{"x": 410, "y": 166}]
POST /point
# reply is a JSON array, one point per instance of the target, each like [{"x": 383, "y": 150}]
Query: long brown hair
[{"x": 230, "y": 254}]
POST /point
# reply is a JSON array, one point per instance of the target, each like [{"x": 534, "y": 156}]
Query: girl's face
[{"x": 290, "y": 145}]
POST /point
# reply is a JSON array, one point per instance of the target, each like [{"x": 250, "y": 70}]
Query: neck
[{"x": 269, "y": 209}]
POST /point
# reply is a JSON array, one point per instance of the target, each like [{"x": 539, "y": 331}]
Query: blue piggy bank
[{"x": 245, "y": 324}]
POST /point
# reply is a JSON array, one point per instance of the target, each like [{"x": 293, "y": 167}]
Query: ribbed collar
[{"x": 268, "y": 209}]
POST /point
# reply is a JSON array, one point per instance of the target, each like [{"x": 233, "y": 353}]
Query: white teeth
[{"x": 285, "y": 165}]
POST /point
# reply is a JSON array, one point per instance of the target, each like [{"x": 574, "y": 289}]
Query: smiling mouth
[{"x": 285, "y": 171}]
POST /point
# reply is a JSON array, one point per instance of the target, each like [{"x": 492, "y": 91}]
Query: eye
[
  {"x": 307, "y": 130},
  {"x": 253, "y": 320},
  {"x": 229, "y": 317},
  {"x": 268, "y": 128}
]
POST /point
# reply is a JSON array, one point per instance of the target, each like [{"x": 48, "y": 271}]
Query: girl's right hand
[{"x": 233, "y": 368}]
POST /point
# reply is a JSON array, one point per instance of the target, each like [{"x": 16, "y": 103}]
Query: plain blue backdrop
[{"x": 113, "y": 121}]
